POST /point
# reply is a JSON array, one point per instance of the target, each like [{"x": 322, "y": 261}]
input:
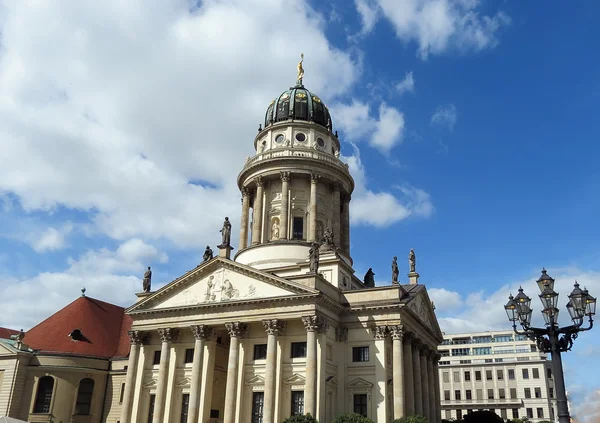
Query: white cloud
[
  {"x": 382, "y": 132},
  {"x": 589, "y": 410},
  {"x": 436, "y": 25},
  {"x": 445, "y": 116},
  {"x": 142, "y": 116},
  {"x": 51, "y": 239},
  {"x": 445, "y": 300},
  {"x": 407, "y": 85}
]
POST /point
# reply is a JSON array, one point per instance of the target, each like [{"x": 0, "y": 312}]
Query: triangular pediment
[
  {"x": 185, "y": 382},
  {"x": 360, "y": 383},
  {"x": 423, "y": 308},
  {"x": 150, "y": 383},
  {"x": 217, "y": 282},
  {"x": 295, "y": 379},
  {"x": 256, "y": 381}
]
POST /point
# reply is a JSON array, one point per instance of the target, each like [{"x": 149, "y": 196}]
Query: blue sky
[{"x": 470, "y": 123}]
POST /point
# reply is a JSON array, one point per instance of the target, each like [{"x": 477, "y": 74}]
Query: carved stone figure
[
  {"x": 412, "y": 261},
  {"x": 226, "y": 232},
  {"x": 228, "y": 291},
  {"x": 369, "y": 278},
  {"x": 313, "y": 255},
  {"x": 210, "y": 286},
  {"x": 147, "y": 280},
  {"x": 208, "y": 254},
  {"x": 328, "y": 238},
  {"x": 275, "y": 230},
  {"x": 395, "y": 270}
]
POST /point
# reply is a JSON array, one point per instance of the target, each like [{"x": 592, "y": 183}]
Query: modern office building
[{"x": 497, "y": 371}]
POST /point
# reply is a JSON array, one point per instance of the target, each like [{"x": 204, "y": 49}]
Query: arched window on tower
[
  {"x": 84, "y": 397},
  {"x": 43, "y": 397}
]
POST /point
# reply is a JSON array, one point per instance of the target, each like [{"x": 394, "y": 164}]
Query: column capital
[
  {"x": 246, "y": 192},
  {"x": 168, "y": 334},
  {"x": 285, "y": 176},
  {"x": 397, "y": 331},
  {"x": 314, "y": 178},
  {"x": 315, "y": 323},
  {"x": 258, "y": 181},
  {"x": 341, "y": 334},
  {"x": 236, "y": 329},
  {"x": 274, "y": 326},
  {"x": 380, "y": 332},
  {"x": 202, "y": 332},
  {"x": 138, "y": 337}
]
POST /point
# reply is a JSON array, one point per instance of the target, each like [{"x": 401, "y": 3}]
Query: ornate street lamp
[{"x": 552, "y": 338}]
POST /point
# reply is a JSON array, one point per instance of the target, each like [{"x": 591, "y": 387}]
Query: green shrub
[
  {"x": 352, "y": 418},
  {"x": 301, "y": 418},
  {"x": 482, "y": 417},
  {"x": 412, "y": 419}
]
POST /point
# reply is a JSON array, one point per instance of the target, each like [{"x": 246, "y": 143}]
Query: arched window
[
  {"x": 84, "y": 397},
  {"x": 43, "y": 397}
]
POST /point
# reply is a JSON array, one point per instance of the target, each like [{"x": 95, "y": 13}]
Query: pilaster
[
  {"x": 409, "y": 390},
  {"x": 313, "y": 324},
  {"x": 273, "y": 328},
  {"x": 397, "y": 334},
  {"x": 312, "y": 227},
  {"x": 202, "y": 333},
  {"x": 245, "y": 217},
  {"x": 284, "y": 218},
  {"x": 380, "y": 334},
  {"x": 257, "y": 214},
  {"x": 236, "y": 331},
  {"x": 136, "y": 339},
  {"x": 167, "y": 336}
]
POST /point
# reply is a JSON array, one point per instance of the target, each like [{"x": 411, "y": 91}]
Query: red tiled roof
[
  {"x": 6, "y": 333},
  {"x": 103, "y": 325}
]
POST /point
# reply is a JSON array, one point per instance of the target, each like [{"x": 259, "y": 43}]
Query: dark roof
[
  {"x": 103, "y": 330},
  {"x": 299, "y": 104},
  {"x": 6, "y": 333}
]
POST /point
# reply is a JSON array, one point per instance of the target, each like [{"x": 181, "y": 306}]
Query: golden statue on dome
[{"x": 300, "y": 70}]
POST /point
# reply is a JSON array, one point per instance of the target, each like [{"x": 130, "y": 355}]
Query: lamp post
[{"x": 552, "y": 338}]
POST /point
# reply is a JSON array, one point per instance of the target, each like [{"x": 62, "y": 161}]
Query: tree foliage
[
  {"x": 301, "y": 418},
  {"x": 482, "y": 417},
  {"x": 412, "y": 419},
  {"x": 352, "y": 418}
]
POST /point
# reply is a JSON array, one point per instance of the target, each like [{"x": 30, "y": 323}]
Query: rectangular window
[
  {"x": 258, "y": 401},
  {"x": 297, "y": 403},
  {"x": 260, "y": 351},
  {"x": 448, "y": 414},
  {"x": 185, "y": 404},
  {"x": 549, "y": 372},
  {"x": 525, "y": 373},
  {"x": 458, "y": 414},
  {"x": 456, "y": 376},
  {"x": 533, "y": 348},
  {"x": 530, "y": 413},
  {"x": 360, "y": 404},
  {"x": 480, "y": 394},
  {"x": 498, "y": 360},
  {"x": 446, "y": 395},
  {"x": 156, "y": 359},
  {"x": 461, "y": 351},
  {"x": 189, "y": 356},
  {"x": 446, "y": 377},
  {"x": 489, "y": 360},
  {"x": 151, "y": 407},
  {"x": 527, "y": 392},
  {"x": 467, "y": 376},
  {"x": 500, "y": 374},
  {"x": 536, "y": 373},
  {"x": 488, "y": 375},
  {"x": 298, "y": 349},
  {"x": 214, "y": 414},
  {"x": 468, "y": 394},
  {"x": 122, "y": 393},
  {"x": 360, "y": 354},
  {"x": 503, "y": 413},
  {"x": 515, "y": 413},
  {"x": 501, "y": 393},
  {"x": 477, "y": 374},
  {"x": 538, "y": 392},
  {"x": 298, "y": 228},
  {"x": 551, "y": 392},
  {"x": 540, "y": 413},
  {"x": 457, "y": 394},
  {"x": 511, "y": 374},
  {"x": 490, "y": 394},
  {"x": 513, "y": 393}
]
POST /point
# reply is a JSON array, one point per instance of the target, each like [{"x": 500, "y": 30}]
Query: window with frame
[
  {"x": 457, "y": 394},
  {"x": 297, "y": 403},
  {"x": 515, "y": 413},
  {"x": 151, "y": 407},
  {"x": 468, "y": 394},
  {"x": 501, "y": 393},
  {"x": 467, "y": 376},
  {"x": 536, "y": 373},
  {"x": 551, "y": 392},
  {"x": 84, "y": 397},
  {"x": 488, "y": 375},
  {"x": 43, "y": 397},
  {"x": 477, "y": 374},
  {"x": 447, "y": 395},
  {"x": 260, "y": 351},
  {"x": 456, "y": 376},
  {"x": 458, "y": 414},
  {"x": 500, "y": 374},
  {"x": 360, "y": 354},
  {"x": 537, "y": 392},
  {"x": 513, "y": 393},
  {"x": 527, "y": 392},
  {"x": 258, "y": 402},
  {"x": 480, "y": 394},
  {"x": 511, "y": 374},
  {"x": 156, "y": 358},
  {"x": 490, "y": 394},
  {"x": 189, "y": 356},
  {"x": 525, "y": 373},
  {"x": 549, "y": 372},
  {"x": 185, "y": 405},
  {"x": 529, "y": 413},
  {"x": 297, "y": 227},
  {"x": 446, "y": 377},
  {"x": 360, "y": 404},
  {"x": 298, "y": 349},
  {"x": 122, "y": 393},
  {"x": 540, "y": 413},
  {"x": 503, "y": 413}
]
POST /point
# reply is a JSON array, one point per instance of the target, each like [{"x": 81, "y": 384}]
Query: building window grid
[
  {"x": 189, "y": 356},
  {"x": 360, "y": 354},
  {"x": 185, "y": 404},
  {"x": 360, "y": 404},
  {"x": 43, "y": 396},
  {"x": 258, "y": 401},
  {"x": 540, "y": 413},
  {"x": 527, "y": 392},
  {"x": 260, "y": 351},
  {"x": 297, "y": 403},
  {"x": 538, "y": 392},
  {"x": 151, "y": 408},
  {"x": 84, "y": 397},
  {"x": 298, "y": 349}
]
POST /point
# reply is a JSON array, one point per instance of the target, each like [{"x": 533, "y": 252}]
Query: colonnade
[{"x": 340, "y": 212}]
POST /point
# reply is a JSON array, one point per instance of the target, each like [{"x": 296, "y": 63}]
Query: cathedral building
[{"x": 278, "y": 327}]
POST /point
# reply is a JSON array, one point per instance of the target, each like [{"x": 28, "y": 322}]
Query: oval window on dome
[
  {"x": 279, "y": 138},
  {"x": 300, "y": 137},
  {"x": 321, "y": 142}
]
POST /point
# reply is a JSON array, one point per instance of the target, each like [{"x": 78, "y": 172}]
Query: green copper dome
[{"x": 298, "y": 103}]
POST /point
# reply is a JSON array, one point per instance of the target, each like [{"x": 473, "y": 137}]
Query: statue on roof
[
  {"x": 300, "y": 70},
  {"x": 328, "y": 239},
  {"x": 313, "y": 256},
  {"x": 208, "y": 254},
  {"x": 412, "y": 260},
  {"x": 395, "y": 270},
  {"x": 147, "y": 280},
  {"x": 369, "y": 278},
  {"x": 226, "y": 232}
]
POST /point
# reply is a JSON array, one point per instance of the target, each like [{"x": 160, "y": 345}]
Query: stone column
[
  {"x": 431, "y": 387},
  {"x": 425, "y": 383},
  {"x": 418, "y": 391},
  {"x": 409, "y": 393},
  {"x": 245, "y": 215},
  {"x": 380, "y": 401},
  {"x": 207, "y": 381},
  {"x": 201, "y": 333},
  {"x": 136, "y": 338},
  {"x": 273, "y": 328},
  {"x": 284, "y": 221},
  {"x": 313, "y": 324},
  {"x": 312, "y": 227},
  {"x": 398, "y": 371},
  {"x": 346, "y": 224},
  {"x": 337, "y": 216},
  {"x": 236, "y": 331},
  {"x": 167, "y": 335},
  {"x": 257, "y": 214},
  {"x": 436, "y": 384}
]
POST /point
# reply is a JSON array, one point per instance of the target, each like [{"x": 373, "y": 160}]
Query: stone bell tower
[{"x": 295, "y": 184}]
